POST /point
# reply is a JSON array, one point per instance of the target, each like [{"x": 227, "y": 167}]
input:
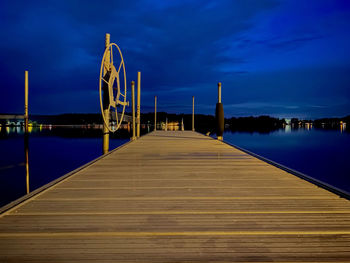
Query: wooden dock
[{"x": 178, "y": 197}]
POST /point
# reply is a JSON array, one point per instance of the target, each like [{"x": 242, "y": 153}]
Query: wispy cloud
[{"x": 262, "y": 51}]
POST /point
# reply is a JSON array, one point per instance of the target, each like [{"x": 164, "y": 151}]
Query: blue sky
[{"x": 281, "y": 58}]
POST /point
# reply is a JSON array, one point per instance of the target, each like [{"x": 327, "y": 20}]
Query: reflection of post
[
  {"x": 133, "y": 109},
  {"x": 138, "y": 102},
  {"x": 105, "y": 146},
  {"x": 155, "y": 113},
  {"x": 26, "y": 135},
  {"x": 26, "y": 154},
  {"x": 341, "y": 126},
  {"x": 192, "y": 113}
]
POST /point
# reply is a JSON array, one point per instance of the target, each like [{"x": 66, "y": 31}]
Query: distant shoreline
[{"x": 203, "y": 123}]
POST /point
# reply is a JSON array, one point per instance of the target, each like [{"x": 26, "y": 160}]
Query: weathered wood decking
[{"x": 178, "y": 197}]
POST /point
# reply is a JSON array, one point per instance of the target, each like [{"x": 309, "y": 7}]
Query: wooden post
[
  {"x": 138, "y": 102},
  {"x": 133, "y": 109},
  {"x": 166, "y": 124},
  {"x": 26, "y": 134},
  {"x": 155, "y": 113},
  {"x": 26, "y": 101},
  {"x": 182, "y": 124},
  {"x": 105, "y": 146},
  {"x": 219, "y": 116},
  {"x": 192, "y": 113}
]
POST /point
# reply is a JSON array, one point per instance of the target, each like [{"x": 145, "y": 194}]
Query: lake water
[
  {"x": 51, "y": 155},
  {"x": 321, "y": 154}
]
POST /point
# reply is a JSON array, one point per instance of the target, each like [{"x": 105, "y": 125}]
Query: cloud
[{"x": 182, "y": 48}]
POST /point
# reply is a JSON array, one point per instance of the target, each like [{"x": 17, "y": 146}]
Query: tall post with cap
[
  {"x": 133, "y": 109},
  {"x": 26, "y": 134},
  {"x": 219, "y": 116},
  {"x": 105, "y": 147},
  {"x": 138, "y": 103}
]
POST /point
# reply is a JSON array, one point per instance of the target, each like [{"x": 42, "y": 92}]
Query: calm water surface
[
  {"x": 321, "y": 154},
  {"x": 51, "y": 155}
]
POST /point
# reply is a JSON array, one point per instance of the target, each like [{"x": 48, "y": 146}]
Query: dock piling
[
  {"x": 26, "y": 134},
  {"x": 26, "y": 101},
  {"x": 155, "y": 113},
  {"x": 192, "y": 113},
  {"x": 133, "y": 109},
  {"x": 138, "y": 103},
  {"x": 105, "y": 146},
  {"x": 219, "y": 116}
]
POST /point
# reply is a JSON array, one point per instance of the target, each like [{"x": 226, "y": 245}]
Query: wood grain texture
[{"x": 178, "y": 197}]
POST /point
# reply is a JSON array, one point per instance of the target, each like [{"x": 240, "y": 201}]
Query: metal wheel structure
[{"x": 112, "y": 87}]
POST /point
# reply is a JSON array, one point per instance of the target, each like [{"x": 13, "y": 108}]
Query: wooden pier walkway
[{"x": 178, "y": 197}]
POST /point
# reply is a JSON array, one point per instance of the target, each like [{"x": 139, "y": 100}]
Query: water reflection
[
  {"x": 287, "y": 128},
  {"x": 31, "y": 160},
  {"x": 26, "y": 158},
  {"x": 319, "y": 153},
  {"x": 72, "y": 131},
  {"x": 20, "y": 129},
  {"x": 342, "y": 126}
]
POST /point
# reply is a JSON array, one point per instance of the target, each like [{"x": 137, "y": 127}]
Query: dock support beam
[
  {"x": 133, "y": 109},
  {"x": 26, "y": 134},
  {"x": 105, "y": 146},
  {"x": 219, "y": 116},
  {"x": 138, "y": 102},
  {"x": 192, "y": 113},
  {"x": 155, "y": 113}
]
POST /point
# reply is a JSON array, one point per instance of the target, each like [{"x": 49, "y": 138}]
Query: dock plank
[{"x": 178, "y": 197}]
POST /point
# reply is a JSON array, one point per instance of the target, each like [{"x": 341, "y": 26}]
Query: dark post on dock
[{"x": 219, "y": 116}]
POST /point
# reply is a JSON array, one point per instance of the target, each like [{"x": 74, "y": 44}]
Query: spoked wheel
[{"x": 112, "y": 87}]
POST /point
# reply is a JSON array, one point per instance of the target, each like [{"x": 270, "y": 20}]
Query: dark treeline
[
  {"x": 262, "y": 124},
  {"x": 68, "y": 118},
  {"x": 331, "y": 123},
  {"x": 203, "y": 123},
  {"x": 206, "y": 123}
]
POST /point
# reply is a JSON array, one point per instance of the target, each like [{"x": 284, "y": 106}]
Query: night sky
[{"x": 281, "y": 58}]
